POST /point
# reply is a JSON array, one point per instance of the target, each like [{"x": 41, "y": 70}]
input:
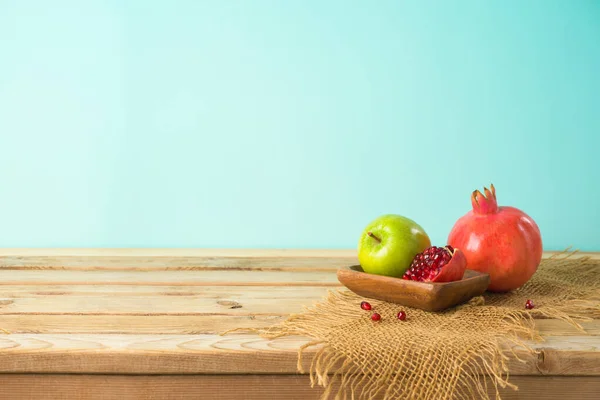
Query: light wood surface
[
  {"x": 151, "y": 318},
  {"x": 244, "y": 387},
  {"x": 564, "y": 352}
]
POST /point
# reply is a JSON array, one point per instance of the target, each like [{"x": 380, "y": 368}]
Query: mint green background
[{"x": 293, "y": 123}]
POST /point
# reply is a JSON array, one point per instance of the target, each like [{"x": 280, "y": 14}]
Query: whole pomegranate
[{"x": 502, "y": 241}]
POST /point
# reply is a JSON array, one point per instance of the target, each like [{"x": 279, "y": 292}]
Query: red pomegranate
[{"x": 502, "y": 241}]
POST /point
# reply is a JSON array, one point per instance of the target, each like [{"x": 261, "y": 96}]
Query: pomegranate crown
[{"x": 484, "y": 204}]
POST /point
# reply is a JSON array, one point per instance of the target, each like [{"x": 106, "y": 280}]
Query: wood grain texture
[
  {"x": 185, "y": 259},
  {"x": 151, "y": 319},
  {"x": 168, "y": 278},
  {"x": 564, "y": 351},
  {"x": 137, "y": 324},
  {"x": 157, "y": 300},
  {"x": 116, "y": 263},
  {"x": 178, "y": 324},
  {"x": 246, "y": 387}
]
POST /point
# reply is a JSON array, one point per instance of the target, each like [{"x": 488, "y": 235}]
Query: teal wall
[{"x": 293, "y": 123}]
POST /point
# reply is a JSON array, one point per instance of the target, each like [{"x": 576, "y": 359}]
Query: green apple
[{"x": 389, "y": 243}]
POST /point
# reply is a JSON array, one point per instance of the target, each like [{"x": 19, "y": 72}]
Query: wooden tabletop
[{"x": 145, "y": 324}]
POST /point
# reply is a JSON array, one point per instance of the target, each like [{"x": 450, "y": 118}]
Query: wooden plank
[
  {"x": 109, "y": 263},
  {"x": 174, "y": 322},
  {"x": 247, "y": 387},
  {"x": 132, "y": 324},
  {"x": 266, "y": 292},
  {"x": 161, "y": 259},
  {"x": 155, "y": 300},
  {"x": 554, "y": 327},
  {"x": 71, "y": 309},
  {"x": 235, "y": 353},
  {"x": 168, "y": 278},
  {"x": 147, "y": 354},
  {"x": 185, "y": 259}
]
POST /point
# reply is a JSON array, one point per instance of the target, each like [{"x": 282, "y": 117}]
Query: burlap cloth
[{"x": 437, "y": 355}]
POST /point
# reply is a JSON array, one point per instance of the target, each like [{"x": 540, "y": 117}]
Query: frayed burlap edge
[{"x": 334, "y": 368}]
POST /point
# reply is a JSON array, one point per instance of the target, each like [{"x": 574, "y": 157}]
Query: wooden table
[{"x": 145, "y": 324}]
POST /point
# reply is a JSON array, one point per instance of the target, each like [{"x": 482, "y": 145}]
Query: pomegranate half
[
  {"x": 437, "y": 264},
  {"x": 502, "y": 241}
]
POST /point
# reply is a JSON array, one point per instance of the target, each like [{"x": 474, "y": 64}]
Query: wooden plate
[{"x": 425, "y": 296}]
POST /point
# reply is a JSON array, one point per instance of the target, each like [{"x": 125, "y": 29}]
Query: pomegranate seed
[
  {"x": 375, "y": 317},
  {"x": 529, "y": 305},
  {"x": 402, "y": 316},
  {"x": 365, "y": 305},
  {"x": 428, "y": 264}
]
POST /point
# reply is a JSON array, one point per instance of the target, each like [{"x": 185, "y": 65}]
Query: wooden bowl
[{"x": 426, "y": 296}]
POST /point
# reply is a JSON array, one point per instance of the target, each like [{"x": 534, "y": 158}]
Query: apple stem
[{"x": 374, "y": 237}]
